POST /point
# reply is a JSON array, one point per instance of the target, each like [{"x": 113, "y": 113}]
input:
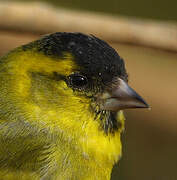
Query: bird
[{"x": 61, "y": 108}]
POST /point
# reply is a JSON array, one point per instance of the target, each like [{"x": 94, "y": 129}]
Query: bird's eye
[{"x": 77, "y": 80}]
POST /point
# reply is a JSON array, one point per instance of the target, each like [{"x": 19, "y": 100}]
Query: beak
[{"x": 121, "y": 96}]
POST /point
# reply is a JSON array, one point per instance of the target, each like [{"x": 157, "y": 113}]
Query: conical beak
[{"x": 121, "y": 96}]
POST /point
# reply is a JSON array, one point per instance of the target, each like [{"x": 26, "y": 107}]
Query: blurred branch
[
  {"x": 41, "y": 18},
  {"x": 11, "y": 39}
]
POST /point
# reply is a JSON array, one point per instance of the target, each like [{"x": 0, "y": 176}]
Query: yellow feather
[{"x": 54, "y": 134}]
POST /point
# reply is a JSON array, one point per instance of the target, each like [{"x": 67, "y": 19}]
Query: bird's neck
[
  {"x": 93, "y": 153},
  {"x": 62, "y": 154},
  {"x": 88, "y": 157}
]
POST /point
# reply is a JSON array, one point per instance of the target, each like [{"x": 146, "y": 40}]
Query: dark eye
[{"x": 77, "y": 80}]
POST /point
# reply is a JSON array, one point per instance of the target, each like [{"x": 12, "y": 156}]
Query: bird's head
[{"x": 71, "y": 76}]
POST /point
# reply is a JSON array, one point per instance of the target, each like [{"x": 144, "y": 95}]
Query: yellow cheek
[{"x": 24, "y": 63}]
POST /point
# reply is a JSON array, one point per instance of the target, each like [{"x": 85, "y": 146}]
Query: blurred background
[{"x": 145, "y": 34}]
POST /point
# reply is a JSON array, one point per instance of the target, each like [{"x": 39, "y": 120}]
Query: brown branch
[{"x": 42, "y": 18}]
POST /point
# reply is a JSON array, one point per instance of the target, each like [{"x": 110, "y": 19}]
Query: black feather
[{"x": 94, "y": 56}]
